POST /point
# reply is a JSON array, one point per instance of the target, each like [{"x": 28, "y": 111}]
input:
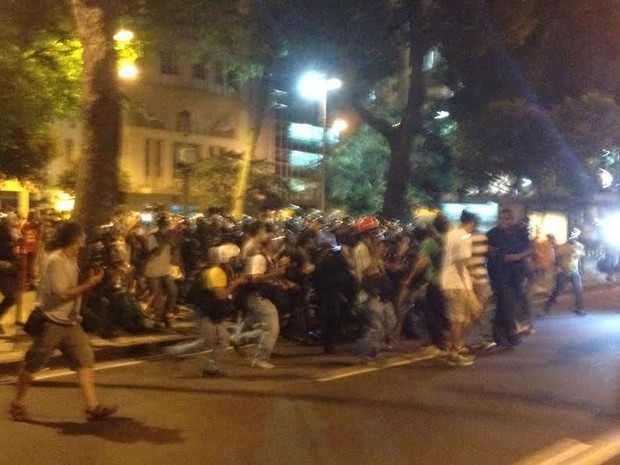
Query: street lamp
[
  {"x": 340, "y": 126},
  {"x": 123, "y": 36},
  {"x": 126, "y": 66},
  {"x": 316, "y": 86}
]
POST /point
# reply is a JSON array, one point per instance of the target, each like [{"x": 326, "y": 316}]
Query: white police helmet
[
  {"x": 254, "y": 265},
  {"x": 226, "y": 252}
]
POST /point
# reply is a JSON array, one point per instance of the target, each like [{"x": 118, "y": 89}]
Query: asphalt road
[{"x": 547, "y": 400}]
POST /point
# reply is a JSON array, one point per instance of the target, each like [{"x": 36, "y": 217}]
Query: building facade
[{"x": 174, "y": 114}]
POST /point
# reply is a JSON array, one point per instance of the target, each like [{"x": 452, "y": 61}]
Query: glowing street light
[
  {"x": 316, "y": 86},
  {"x": 340, "y": 125},
  {"x": 128, "y": 71},
  {"x": 123, "y": 36},
  {"x": 126, "y": 68}
]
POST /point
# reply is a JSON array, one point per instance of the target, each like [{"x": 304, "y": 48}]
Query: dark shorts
[{"x": 72, "y": 342}]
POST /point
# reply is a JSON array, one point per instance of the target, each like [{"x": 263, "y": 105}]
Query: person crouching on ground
[
  {"x": 261, "y": 323},
  {"x": 59, "y": 297},
  {"x": 214, "y": 306},
  {"x": 379, "y": 319}
]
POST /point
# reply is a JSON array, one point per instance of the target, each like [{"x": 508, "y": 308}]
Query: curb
[{"x": 135, "y": 346}]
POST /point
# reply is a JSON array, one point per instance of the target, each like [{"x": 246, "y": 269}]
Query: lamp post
[{"x": 315, "y": 86}]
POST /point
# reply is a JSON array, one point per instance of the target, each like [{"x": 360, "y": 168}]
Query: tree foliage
[
  {"x": 39, "y": 81},
  {"x": 541, "y": 107},
  {"x": 213, "y": 180},
  {"x": 356, "y": 173},
  {"x": 512, "y": 59}
]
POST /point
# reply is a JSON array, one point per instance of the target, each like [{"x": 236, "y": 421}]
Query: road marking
[
  {"x": 603, "y": 448},
  {"x": 98, "y": 367},
  {"x": 392, "y": 362},
  {"x": 57, "y": 373},
  {"x": 556, "y": 454},
  {"x": 572, "y": 452}
]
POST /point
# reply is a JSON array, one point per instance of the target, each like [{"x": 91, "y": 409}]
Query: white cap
[{"x": 256, "y": 264}]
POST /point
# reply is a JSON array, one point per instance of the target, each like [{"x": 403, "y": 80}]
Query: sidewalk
[{"x": 16, "y": 342}]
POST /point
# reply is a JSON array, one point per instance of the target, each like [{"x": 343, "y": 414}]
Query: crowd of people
[
  {"x": 21, "y": 253},
  {"x": 309, "y": 278}
]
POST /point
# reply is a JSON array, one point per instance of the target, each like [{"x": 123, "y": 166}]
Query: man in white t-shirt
[
  {"x": 462, "y": 306},
  {"x": 58, "y": 298},
  {"x": 157, "y": 273}
]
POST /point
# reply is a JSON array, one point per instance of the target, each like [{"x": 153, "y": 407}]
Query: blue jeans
[
  {"x": 380, "y": 323},
  {"x": 560, "y": 282},
  {"x": 212, "y": 335},
  {"x": 261, "y": 325}
]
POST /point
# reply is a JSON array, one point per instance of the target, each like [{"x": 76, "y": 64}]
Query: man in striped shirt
[{"x": 482, "y": 288}]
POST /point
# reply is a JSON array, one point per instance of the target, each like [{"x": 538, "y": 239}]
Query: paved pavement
[
  {"x": 548, "y": 401},
  {"x": 16, "y": 342}
]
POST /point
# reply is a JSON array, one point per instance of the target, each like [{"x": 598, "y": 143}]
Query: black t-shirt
[
  {"x": 504, "y": 242},
  {"x": 7, "y": 253}
]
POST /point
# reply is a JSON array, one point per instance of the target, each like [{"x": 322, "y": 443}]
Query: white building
[{"x": 171, "y": 106}]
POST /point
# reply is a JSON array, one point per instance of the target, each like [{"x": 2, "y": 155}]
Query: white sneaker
[
  {"x": 457, "y": 360},
  {"x": 264, "y": 364},
  {"x": 487, "y": 345}
]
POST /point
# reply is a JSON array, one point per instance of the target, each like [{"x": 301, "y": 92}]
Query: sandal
[
  {"x": 101, "y": 412},
  {"x": 19, "y": 412}
]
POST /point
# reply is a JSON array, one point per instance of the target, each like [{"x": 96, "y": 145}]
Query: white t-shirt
[
  {"x": 457, "y": 247},
  {"x": 157, "y": 266},
  {"x": 59, "y": 273}
]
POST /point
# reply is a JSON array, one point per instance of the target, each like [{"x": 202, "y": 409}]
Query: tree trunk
[
  {"x": 395, "y": 201},
  {"x": 97, "y": 189},
  {"x": 395, "y": 205},
  {"x": 259, "y": 110}
]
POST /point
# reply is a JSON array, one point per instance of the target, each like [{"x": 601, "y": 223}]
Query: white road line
[
  {"x": 556, "y": 454},
  {"x": 98, "y": 367},
  {"x": 603, "y": 449},
  {"x": 362, "y": 369},
  {"x": 572, "y": 452},
  {"x": 57, "y": 373}
]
